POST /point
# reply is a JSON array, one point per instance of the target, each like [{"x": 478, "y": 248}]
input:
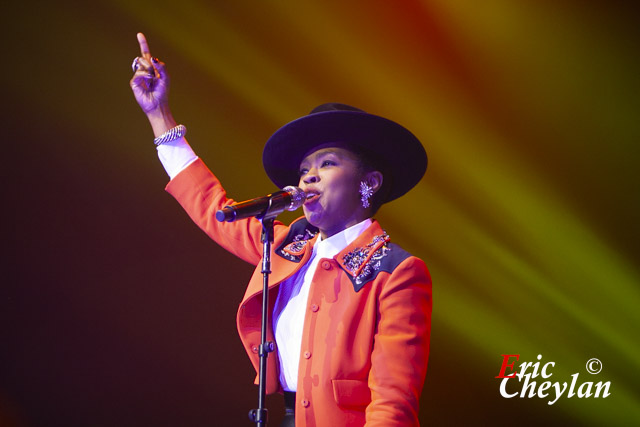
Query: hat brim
[{"x": 396, "y": 151}]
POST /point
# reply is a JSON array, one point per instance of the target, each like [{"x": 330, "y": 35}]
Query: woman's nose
[{"x": 311, "y": 177}]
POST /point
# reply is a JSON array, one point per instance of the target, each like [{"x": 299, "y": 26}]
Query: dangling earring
[{"x": 366, "y": 192}]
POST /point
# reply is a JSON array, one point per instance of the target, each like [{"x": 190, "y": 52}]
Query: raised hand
[
  {"x": 150, "y": 85},
  {"x": 150, "y": 82}
]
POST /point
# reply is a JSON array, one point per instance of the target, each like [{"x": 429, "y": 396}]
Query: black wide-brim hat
[{"x": 392, "y": 149}]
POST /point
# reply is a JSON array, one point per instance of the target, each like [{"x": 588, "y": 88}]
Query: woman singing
[{"x": 350, "y": 310}]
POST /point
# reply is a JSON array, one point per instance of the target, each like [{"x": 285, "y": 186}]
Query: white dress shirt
[
  {"x": 175, "y": 156},
  {"x": 291, "y": 304}
]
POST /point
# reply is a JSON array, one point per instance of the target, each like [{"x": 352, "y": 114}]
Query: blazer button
[
  {"x": 326, "y": 265},
  {"x": 305, "y": 403},
  {"x": 254, "y": 348},
  {"x": 314, "y": 307},
  {"x": 307, "y": 355}
]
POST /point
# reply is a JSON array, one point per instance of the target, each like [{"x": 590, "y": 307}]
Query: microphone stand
[
  {"x": 259, "y": 416},
  {"x": 276, "y": 204}
]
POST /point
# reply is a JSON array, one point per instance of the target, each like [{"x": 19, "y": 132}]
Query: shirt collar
[{"x": 331, "y": 246}]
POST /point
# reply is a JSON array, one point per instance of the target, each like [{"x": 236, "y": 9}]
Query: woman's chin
[{"x": 313, "y": 217}]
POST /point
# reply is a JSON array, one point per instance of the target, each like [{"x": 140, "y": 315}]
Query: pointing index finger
[{"x": 144, "y": 46}]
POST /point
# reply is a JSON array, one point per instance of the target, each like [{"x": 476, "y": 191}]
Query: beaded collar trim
[
  {"x": 362, "y": 263},
  {"x": 295, "y": 250}
]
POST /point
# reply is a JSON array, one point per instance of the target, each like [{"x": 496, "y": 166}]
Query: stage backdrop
[{"x": 117, "y": 311}]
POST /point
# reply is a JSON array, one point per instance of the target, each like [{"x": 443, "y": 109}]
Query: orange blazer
[{"x": 365, "y": 340}]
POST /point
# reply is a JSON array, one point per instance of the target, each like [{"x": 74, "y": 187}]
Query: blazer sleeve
[
  {"x": 201, "y": 195},
  {"x": 401, "y": 346}
]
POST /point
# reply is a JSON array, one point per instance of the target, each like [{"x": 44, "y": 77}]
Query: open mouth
[{"x": 311, "y": 196}]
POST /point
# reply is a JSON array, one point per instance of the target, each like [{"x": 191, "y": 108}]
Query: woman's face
[{"x": 332, "y": 175}]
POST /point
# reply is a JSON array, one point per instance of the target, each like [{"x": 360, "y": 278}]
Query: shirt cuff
[{"x": 175, "y": 156}]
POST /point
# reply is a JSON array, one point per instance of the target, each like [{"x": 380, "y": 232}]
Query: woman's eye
[
  {"x": 328, "y": 163},
  {"x": 302, "y": 172}
]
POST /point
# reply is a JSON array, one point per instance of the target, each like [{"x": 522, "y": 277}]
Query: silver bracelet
[{"x": 171, "y": 135}]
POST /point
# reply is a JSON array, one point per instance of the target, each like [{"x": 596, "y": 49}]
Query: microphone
[{"x": 289, "y": 198}]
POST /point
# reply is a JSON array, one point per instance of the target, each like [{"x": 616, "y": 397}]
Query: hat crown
[{"x": 335, "y": 106}]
